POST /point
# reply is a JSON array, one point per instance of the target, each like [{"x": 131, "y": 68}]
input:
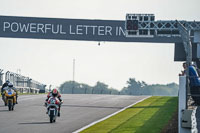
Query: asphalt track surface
[{"x": 77, "y": 111}]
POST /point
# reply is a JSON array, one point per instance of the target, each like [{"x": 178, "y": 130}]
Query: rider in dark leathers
[{"x": 2, "y": 89}]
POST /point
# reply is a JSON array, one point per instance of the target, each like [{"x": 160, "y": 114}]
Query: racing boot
[
  {"x": 3, "y": 98},
  {"x": 16, "y": 99},
  {"x": 58, "y": 113}
]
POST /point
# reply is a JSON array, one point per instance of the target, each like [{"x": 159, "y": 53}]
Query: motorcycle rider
[
  {"x": 2, "y": 89},
  {"x": 194, "y": 81},
  {"x": 54, "y": 93},
  {"x": 10, "y": 86}
]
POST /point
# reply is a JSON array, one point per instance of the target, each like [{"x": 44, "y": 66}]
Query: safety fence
[{"x": 22, "y": 83}]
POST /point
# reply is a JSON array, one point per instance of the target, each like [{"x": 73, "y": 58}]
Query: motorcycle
[
  {"x": 10, "y": 99},
  {"x": 53, "y": 108}
]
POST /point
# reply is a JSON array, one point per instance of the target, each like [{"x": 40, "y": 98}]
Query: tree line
[{"x": 133, "y": 88}]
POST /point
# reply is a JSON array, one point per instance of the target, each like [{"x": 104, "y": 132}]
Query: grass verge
[{"x": 148, "y": 116}]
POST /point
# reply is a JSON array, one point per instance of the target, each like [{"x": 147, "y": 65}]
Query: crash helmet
[
  {"x": 10, "y": 84},
  {"x": 7, "y": 81},
  {"x": 54, "y": 92}
]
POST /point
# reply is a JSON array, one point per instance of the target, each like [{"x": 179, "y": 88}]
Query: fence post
[{"x": 181, "y": 103}]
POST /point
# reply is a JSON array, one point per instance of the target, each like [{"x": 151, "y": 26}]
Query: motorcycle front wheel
[
  {"x": 51, "y": 119},
  {"x": 9, "y": 105}
]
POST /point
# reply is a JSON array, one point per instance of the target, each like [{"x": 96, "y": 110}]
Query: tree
[
  {"x": 141, "y": 88},
  {"x": 134, "y": 86},
  {"x": 70, "y": 87},
  {"x": 100, "y": 88}
]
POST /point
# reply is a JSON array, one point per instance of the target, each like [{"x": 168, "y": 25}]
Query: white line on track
[{"x": 95, "y": 122}]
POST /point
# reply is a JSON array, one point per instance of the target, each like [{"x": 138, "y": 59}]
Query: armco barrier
[
  {"x": 194, "y": 122},
  {"x": 28, "y": 90}
]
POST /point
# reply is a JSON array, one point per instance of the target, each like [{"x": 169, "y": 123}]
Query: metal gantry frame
[
  {"x": 148, "y": 27},
  {"x": 184, "y": 32}
]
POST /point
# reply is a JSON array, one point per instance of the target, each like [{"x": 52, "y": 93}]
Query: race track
[{"x": 77, "y": 111}]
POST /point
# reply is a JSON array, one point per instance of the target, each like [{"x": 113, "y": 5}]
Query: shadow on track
[
  {"x": 34, "y": 123},
  {"x": 81, "y": 106}
]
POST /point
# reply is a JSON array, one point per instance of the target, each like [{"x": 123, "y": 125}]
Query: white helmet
[{"x": 10, "y": 85}]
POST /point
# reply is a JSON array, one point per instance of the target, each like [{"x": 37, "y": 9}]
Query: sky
[{"x": 51, "y": 61}]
